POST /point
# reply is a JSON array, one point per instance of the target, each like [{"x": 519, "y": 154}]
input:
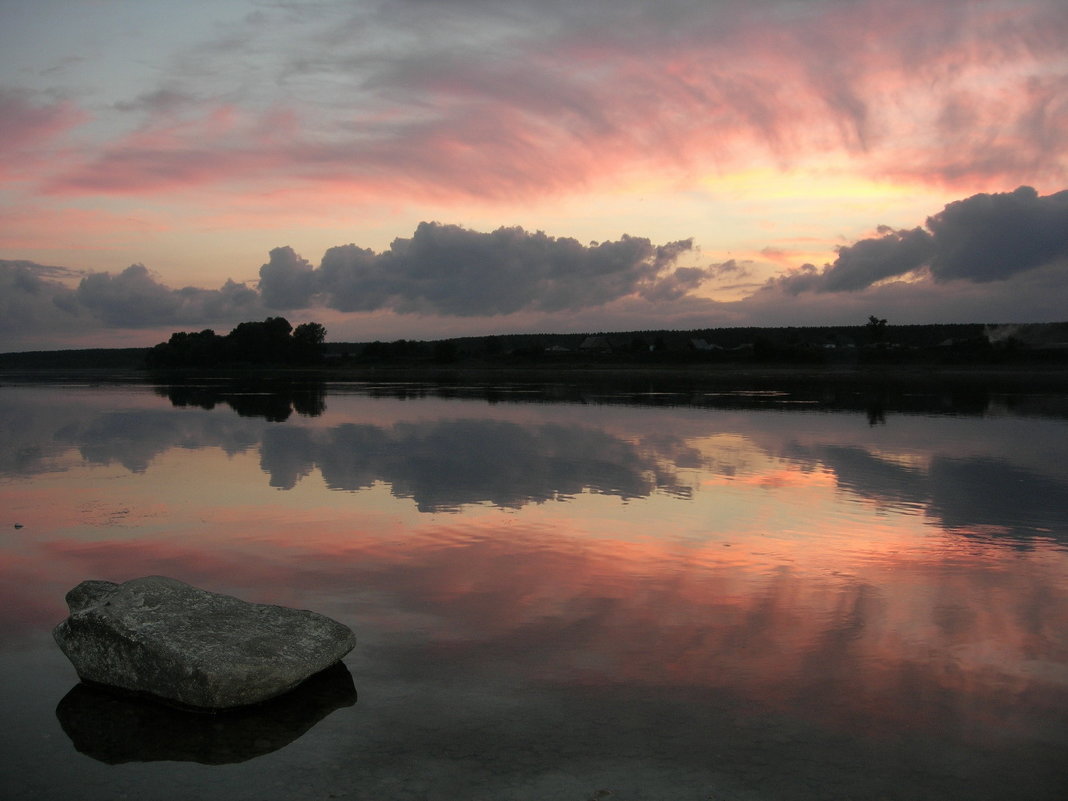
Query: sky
[{"x": 435, "y": 168}]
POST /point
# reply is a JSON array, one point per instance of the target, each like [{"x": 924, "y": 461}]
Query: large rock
[{"x": 159, "y": 636}]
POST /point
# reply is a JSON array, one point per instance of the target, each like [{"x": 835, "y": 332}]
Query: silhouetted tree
[
  {"x": 875, "y": 329},
  {"x": 261, "y": 343},
  {"x": 203, "y": 349},
  {"x": 446, "y": 352},
  {"x": 272, "y": 341},
  {"x": 308, "y": 339}
]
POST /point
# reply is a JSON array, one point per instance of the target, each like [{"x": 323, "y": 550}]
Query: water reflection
[
  {"x": 134, "y": 438},
  {"x": 668, "y": 602},
  {"x": 274, "y": 401},
  {"x": 114, "y": 727},
  {"x": 443, "y": 465},
  {"x": 995, "y": 475},
  {"x": 537, "y": 648},
  {"x": 966, "y": 493},
  {"x": 873, "y": 395}
]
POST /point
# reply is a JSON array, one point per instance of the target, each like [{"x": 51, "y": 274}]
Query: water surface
[{"x": 630, "y": 597}]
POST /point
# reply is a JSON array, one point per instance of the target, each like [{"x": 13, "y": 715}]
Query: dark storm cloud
[
  {"x": 983, "y": 238},
  {"x": 450, "y": 270}
]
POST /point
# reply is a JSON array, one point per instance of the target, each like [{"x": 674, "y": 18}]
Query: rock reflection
[{"x": 115, "y": 727}]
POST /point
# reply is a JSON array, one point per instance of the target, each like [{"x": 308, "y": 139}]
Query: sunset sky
[{"x": 433, "y": 168}]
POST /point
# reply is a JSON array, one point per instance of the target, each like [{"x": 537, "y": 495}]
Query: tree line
[{"x": 272, "y": 341}]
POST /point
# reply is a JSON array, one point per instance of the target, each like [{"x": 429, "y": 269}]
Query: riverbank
[
  {"x": 1020, "y": 375},
  {"x": 1046, "y": 376}
]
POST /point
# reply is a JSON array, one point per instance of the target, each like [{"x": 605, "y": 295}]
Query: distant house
[
  {"x": 701, "y": 344},
  {"x": 1038, "y": 336},
  {"x": 596, "y": 344}
]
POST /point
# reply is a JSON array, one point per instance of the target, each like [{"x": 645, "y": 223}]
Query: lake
[{"x": 559, "y": 592}]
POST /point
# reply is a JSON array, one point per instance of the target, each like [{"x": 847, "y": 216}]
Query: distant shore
[
  {"x": 1051, "y": 377},
  {"x": 1029, "y": 355}
]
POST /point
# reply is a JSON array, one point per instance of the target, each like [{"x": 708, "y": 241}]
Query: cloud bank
[
  {"x": 134, "y": 299},
  {"x": 440, "y": 271},
  {"x": 44, "y": 306},
  {"x": 983, "y": 238},
  {"x": 986, "y": 258},
  {"x": 453, "y": 271}
]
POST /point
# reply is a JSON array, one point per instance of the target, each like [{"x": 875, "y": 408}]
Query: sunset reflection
[
  {"x": 793, "y": 625},
  {"x": 798, "y": 566}
]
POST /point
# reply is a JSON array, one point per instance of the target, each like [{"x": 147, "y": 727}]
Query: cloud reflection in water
[{"x": 545, "y": 588}]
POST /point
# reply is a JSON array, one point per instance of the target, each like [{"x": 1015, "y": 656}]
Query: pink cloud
[
  {"x": 35, "y": 226},
  {"x": 25, "y": 126},
  {"x": 938, "y": 93},
  {"x": 22, "y": 122},
  {"x": 216, "y": 146}
]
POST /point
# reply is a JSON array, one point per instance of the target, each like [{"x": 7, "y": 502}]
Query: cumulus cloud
[
  {"x": 44, "y": 306},
  {"x": 983, "y": 238},
  {"x": 286, "y": 281},
  {"x": 135, "y": 299},
  {"x": 32, "y": 296},
  {"x": 678, "y": 284},
  {"x": 989, "y": 257},
  {"x": 454, "y": 271},
  {"x": 990, "y": 237},
  {"x": 440, "y": 272}
]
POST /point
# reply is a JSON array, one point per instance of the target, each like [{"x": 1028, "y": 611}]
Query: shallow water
[{"x": 642, "y": 597}]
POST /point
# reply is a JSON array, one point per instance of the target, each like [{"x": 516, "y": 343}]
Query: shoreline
[{"x": 1019, "y": 375}]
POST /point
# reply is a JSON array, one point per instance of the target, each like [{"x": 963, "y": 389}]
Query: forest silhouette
[{"x": 273, "y": 341}]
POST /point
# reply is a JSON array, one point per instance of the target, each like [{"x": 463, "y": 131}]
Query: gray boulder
[{"x": 163, "y": 637}]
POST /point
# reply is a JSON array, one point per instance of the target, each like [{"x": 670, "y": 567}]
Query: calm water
[{"x": 710, "y": 596}]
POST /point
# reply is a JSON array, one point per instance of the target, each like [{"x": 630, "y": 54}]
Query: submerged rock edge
[{"x": 162, "y": 637}]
